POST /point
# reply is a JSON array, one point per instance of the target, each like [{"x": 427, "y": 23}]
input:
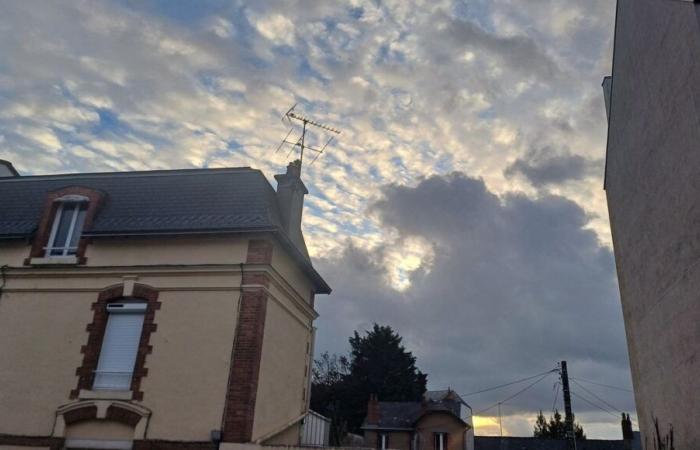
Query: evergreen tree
[
  {"x": 378, "y": 364},
  {"x": 541, "y": 426},
  {"x": 556, "y": 428}
]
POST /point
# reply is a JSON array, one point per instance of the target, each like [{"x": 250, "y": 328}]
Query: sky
[{"x": 462, "y": 204}]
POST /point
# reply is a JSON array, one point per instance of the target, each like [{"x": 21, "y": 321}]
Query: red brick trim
[
  {"x": 53, "y": 443},
  {"x": 152, "y": 444},
  {"x": 259, "y": 252},
  {"x": 239, "y": 410},
  {"x": 86, "y": 412},
  {"x": 96, "y": 331},
  {"x": 122, "y": 415},
  {"x": 41, "y": 237},
  {"x": 260, "y": 278}
]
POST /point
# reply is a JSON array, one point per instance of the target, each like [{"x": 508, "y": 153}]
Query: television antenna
[{"x": 292, "y": 116}]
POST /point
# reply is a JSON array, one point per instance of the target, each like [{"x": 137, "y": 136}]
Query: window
[
  {"x": 440, "y": 441},
  {"x": 67, "y": 226},
  {"x": 383, "y": 441},
  {"x": 120, "y": 345}
]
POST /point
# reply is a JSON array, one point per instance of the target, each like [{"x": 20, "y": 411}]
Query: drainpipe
[{"x": 3, "y": 278}]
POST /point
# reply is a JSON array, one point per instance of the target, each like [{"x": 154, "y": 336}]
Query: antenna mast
[{"x": 292, "y": 115}]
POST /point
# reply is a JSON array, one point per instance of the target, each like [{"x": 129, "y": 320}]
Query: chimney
[
  {"x": 627, "y": 434},
  {"x": 290, "y": 198},
  {"x": 373, "y": 410},
  {"x": 7, "y": 170}
]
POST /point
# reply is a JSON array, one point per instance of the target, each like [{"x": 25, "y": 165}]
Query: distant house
[
  {"x": 442, "y": 421},
  {"x": 154, "y": 310}
]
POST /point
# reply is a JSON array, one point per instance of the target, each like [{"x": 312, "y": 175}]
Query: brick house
[
  {"x": 442, "y": 421},
  {"x": 157, "y": 309}
]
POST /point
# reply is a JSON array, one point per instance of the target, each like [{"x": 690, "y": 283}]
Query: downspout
[{"x": 3, "y": 278}]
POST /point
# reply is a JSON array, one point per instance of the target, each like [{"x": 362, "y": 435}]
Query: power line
[
  {"x": 601, "y": 384},
  {"x": 517, "y": 393},
  {"x": 598, "y": 398},
  {"x": 508, "y": 384},
  {"x": 556, "y": 395},
  {"x": 593, "y": 404}
]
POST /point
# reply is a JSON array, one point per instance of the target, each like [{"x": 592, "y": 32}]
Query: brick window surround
[
  {"x": 96, "y": 331},
  {"x": 241, "y": 392},
  {"x": 48, "y": 215}
]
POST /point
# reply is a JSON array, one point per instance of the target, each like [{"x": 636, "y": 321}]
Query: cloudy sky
[{"x": 462, "y": 204}]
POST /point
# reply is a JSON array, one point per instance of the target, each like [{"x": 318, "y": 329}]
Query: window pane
[
  {"x": 64, "y": 221},
  {"x": 119, "y": 349},
  {"x": 78, "y": 229}
]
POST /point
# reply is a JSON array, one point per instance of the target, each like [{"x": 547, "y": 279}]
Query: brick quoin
[
  {"x": 259, "y": 252},
  {"x": 96, "y": 332},
  {"x": 239, "y": 410}
]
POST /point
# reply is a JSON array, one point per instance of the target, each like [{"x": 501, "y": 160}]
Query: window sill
[
  {"x": 85, "y": 394},
  {"x": 54, "y": 260}
]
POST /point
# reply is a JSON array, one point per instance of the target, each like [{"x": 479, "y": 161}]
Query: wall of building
[
  {"x": 440, "y": 423},
  {"x": 284, "y": 368},
  {"x": 653, "y": 187},
  {"x": 398, "y": 440},
  {"x": 44, "y": 312}
]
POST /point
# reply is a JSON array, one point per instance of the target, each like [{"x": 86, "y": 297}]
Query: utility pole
[{"x": 569, "y": 417}]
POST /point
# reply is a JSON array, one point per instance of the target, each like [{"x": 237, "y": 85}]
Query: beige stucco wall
[
  {"x": 40, "y": 338},
  {"x": 283, "y": 369},
  {"x": 188, "y": 369},
  {"x": 99, "y": 429},
  {"x": 653, "y": 168},
  {"x": 289, "y": 270},
  {"x": 13, "y": 252},
  {"x": 173, "y": 250},
  {"x": 289, "y": 437},
  {"x": 44, "y": 312}
]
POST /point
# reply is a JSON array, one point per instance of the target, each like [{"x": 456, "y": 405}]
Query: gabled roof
[
  {"x": 404, "y": 415},
  {"x": 161, "y": 202}
]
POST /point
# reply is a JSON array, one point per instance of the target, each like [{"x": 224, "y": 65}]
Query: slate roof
[
  {"x": 157, "y": 203},
  {"x": 529, "y": 443},
  {"x": 398, "y": 415}
]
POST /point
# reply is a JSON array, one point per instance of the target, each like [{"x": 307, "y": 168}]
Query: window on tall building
[
  {"x": 67, "y": 226},
  {"x": 115, "y": 367},
  {"x": 440, "y": 441},
  {"x": 383, "y": 441}
]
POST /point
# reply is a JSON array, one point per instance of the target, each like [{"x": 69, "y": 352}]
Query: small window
[
  {"x": 120, "y": 345},
  {"x": 383, "y": 441},
  {"x": 67, "y": 226},
  {"x": 440, "y": 441}
]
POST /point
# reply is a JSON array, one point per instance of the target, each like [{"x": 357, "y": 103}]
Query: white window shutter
[{"x": 119, "y": 349}]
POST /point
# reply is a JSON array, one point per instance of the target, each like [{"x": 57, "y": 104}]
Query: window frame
[
  {"x": 383, "y": 441},
  {"x": 134, "y": 307},
  {"x": 440, "y": 440},
  {"x": 80, "y": 202},
  {"x": 40, "y": 240}
]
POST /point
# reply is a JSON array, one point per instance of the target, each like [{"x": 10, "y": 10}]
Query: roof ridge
[{"x": 136, "y": 173}]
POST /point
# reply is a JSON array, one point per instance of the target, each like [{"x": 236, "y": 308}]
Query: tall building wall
[{"x": 653, "y": 190}]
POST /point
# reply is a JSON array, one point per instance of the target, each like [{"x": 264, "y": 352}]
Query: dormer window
[{"x": 67, "y": 226}]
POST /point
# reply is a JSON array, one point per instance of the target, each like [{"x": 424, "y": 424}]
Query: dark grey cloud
[
  {"x": 547, "y": 166},
  {"x": 515, "y": 285}
]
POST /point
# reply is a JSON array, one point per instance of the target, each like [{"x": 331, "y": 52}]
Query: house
[
  {"x": 442, "y": 421},
  {"x": 154, "y": 310},
  {"x": 652, "y": 189}
]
